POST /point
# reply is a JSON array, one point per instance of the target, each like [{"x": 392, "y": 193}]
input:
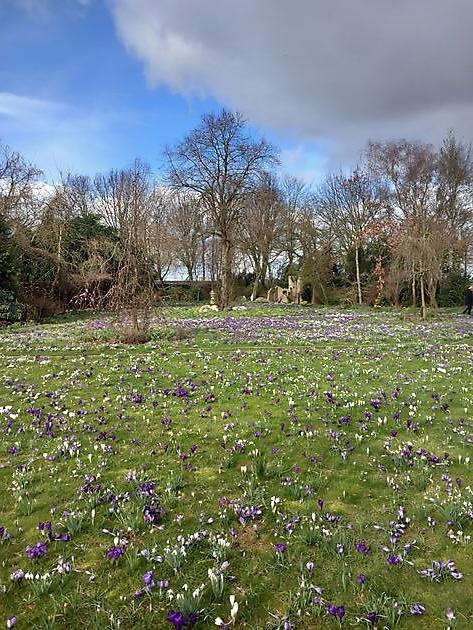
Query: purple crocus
[
  {"x": 417, "y": 609},
  {"x": 17, "y": 575},
  {"x": 148, "y": 579},
  {"x": 177, "y": 619},
  {"x": 115, "y": 552},
  {"x": 280, "y": 548},
  {"x": 362, "y": 547},
  {"x": 372, "y": 617},
  {"x": 393, "y": 559},
  {"x": 336, "y": 611},
  {"x": 147, "y": 488},
  {"x": 37, "y": 551}
]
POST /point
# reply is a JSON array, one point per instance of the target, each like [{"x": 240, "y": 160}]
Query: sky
[{"x": 88, "y": 85}]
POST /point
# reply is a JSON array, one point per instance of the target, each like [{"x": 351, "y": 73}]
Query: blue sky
[{"x": 73, "y": 98}]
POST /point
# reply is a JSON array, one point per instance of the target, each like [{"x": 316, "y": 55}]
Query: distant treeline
[{"x": 396, "y": 230}]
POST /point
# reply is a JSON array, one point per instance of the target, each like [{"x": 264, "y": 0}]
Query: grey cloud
[{"x": 336, "y": 70}]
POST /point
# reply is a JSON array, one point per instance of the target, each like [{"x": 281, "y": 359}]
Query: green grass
[{"x": 324, "y": 422}]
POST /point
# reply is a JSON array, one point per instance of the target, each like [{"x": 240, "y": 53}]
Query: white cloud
[
  {"x": 56, "y": 136},
  {"x": 25, "y": 109},
  {"x": 330, "y": 70}
]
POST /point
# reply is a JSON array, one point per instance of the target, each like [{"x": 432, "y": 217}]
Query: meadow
[{"x": 273, "y": 468}]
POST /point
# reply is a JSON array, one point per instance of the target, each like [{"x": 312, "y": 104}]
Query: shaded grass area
[{"x": 353, "y": 455}]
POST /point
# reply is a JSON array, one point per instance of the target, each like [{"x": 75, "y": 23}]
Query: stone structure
[{"x": 291, "y": 295}]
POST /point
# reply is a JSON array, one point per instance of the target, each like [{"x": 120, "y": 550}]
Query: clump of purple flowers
[
  {"x": 114, "y": 553},
  {"x": 336, "y": 611},
  {"x": 153, "y": 513},
  {"x": 37, "y": 551},
  {"x": 247, "y": 513},
  {"x": 180, "y": 620},
  {"x": 147, "y": 488},
  {"x": 362, "y": 547},
  {"x": 442, "y": 571},
  {"x": 46, "y": 529}
]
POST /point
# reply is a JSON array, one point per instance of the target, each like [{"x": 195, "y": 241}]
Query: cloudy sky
[{"x": 90, "y": 84}]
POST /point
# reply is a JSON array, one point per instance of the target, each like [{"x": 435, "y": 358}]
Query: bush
[
  {"x": 134, "y": 336},
  {"x": 452, "y": 289},
  {"x": 185, "y": 294},
  {"x": 11, "y": 311}
]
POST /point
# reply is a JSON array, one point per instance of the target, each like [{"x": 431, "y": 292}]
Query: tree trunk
[
  {"x": 226, "y": 281},
  {"x": 413, "y": 287},
  {"x": 314, "y": 295},
  {"x": 324, "y": 293},
  {"x": 134, "y": 318},
  {"x": 203, "y": 259},
  {"x": 254, "y": 292},
  {"x": 397, "y": 297},
  {"x": 422, "y": 297},
  {"x": 433, "y": 293},
  {"x": 358, "y": 278},
  {"x": 260, "y": 276},
  {"x": 264, "y": 271}
]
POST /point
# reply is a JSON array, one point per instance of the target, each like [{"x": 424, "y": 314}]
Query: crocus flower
[
  {"x": 38, "y": 551},
  {"x": 336, "y": 611},
  {"x": 362, "y": 547},
  {"x": 450, "y": 614},
  {"x": 115, "y": 552},
  {"x": 148, "y": 579},
  {"x": 17, "y": 575},
  {"x": 177, "y": 619},
  {"x": 417, "y": 609}
]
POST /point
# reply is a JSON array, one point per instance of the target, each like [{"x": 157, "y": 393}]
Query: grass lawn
[{"x": 315, "y": 464}]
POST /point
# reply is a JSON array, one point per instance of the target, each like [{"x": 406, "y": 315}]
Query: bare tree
[
  {"x": 316, "y": 245},
  {"x": 454, "y": 194},
  {"x": 76, "y": 194},
  {"x": 295, "y": 197},
  {"x": 124, "y": 200},
  {"x": 159, "y": 235},
  {"x": 419, "y": 249},
  {"x": 18, "y": 201},
  {"x": 409, "y": 168},
  {"x": 220, "y": 162},
  {"x": 348, "y": 205},
  {"x": 186, "y": 229},
  {"x": 260, "y": 228}
]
